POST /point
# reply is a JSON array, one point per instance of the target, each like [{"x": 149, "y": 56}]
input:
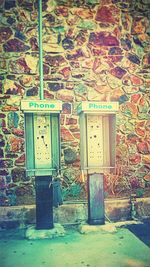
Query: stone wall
[
  {"x": 75, "y": 213},
  {"x": 94, "y": 50}
]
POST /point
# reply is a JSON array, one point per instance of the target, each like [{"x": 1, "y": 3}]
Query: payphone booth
[
  {"x": 42, "y": 140},
  {"x": 97, "y": 151}
]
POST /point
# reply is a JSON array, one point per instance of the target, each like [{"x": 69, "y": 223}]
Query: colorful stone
[
  {"x": 23, "y": 191},
  {"x": 147, "y": 177},
  {"x": 13, "y": 88},
  {"x": 5, "y": 34},
  {"x": 8, "y": 163},
  {"x": 135, "y": 98},
  {"x": 18, "y": 174},
  {"x": 31, "y": 62},
  {"x": 68, "y": 44},
  {"x": 135, "y": 159},
  {"x": 48, "y": 95},
  {"x": 126, "y": 21},
  {"x": 6, "y": 130},
  {"x": 2, "y": 143},
  {"x": 20, "y": 35},
  {"x": 73, "y": 20},
  {"x": 66, "y": 135},
  {"x": 97, "y": 52},
  {"x": 11, "y": 155},
  {"x": 2, "y": 183},
  {"x": 83, "y": 13},
  {"x": 55, "y": 61},
  {"x": 115, "y": 51},
  {"x": 134, "y": 58},
  {"x": 15, "y": 45},
  {"x": 16, "y": 144},
  {"x": 80, "y": 88},
  {"x": 66, "y": 108},
  {"x": 26, "y": 80},
  {"x": 135, "y": 80},
  {"x": 143, "y": 148},
  {"x": 55, "y": 86},
  {"x": 137, "y": 41},
  {"x": 32, "y": 91},
  {"x": 46, "y": 69},
  {"x": 87, "y": 25},
  {"x": 13, "y": 119},
  {"x": 108, "y": 14},
  {"x": 58, "y": 29},
  {"x": 19, "y": 66},
  {"x": 126, "y": 44},
  {"x": 118, "y": 72},
  {"x": 18, "y": 132},
  {"x": 70, "y": 85},
  {"x": 130, "y": 110},
  {"x": 2, "y": 123},
  {"x": 71, "y": 121},
  {"x": 11, "y": 20},
  {"x": 70, "y": 155},
  {"x": 27, "y": 5},
  {"x": 34, "y": 44},
  {"x": 143, "y": 105},
  {"x": 77, "y": 54},
  {"x": 20, "y": 161},
  {"x": 139, "y": 25},
  {"x": 2, "y": 115},
  {"x": 4, "y": 172},
  {"x": 146, "y": 159},
  {"x": 146, "y": 61},
  {"x": 102, "y": 39},
  {"x": 65, "y": 95},
  {"x": 132, "y": 138},
  {"x": 66, "y": 72},
  {"x": 10, "y": 4},
  {"x": 14, "y": 101},
  {"x": 62, "y": 11}
]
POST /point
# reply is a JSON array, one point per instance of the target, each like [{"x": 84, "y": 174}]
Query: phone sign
[
  {"x": 98, "y": 107},
  {"x": 40, "y": 105}
]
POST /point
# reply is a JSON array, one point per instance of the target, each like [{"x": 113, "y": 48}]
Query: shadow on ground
[{"x": 142, "y": 231}]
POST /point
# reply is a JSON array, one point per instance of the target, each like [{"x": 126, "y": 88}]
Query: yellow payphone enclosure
[
  {"x": 42, "y": 136},
  {"x": 97, "y": 126}
]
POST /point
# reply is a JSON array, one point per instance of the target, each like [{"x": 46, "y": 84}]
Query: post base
[
  {"x": 33, "y": 233},
  {"x": 96, "y": 221}
]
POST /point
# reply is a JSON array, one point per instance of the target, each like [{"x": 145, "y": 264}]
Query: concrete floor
[{"x": 99, "y": 249}]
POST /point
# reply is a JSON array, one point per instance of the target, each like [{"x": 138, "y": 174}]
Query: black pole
[{"x": 44, "y": 202}]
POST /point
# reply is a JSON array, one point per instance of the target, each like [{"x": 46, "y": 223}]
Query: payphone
[
  {"x": 97, "y": 150},
  {"x": 42, "y": 142}
]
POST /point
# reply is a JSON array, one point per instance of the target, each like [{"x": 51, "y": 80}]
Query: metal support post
[
  {"x": 44, "y": 202},
  {"x": 40, "y": 48},
  {"x": 96, "y": 210}
]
